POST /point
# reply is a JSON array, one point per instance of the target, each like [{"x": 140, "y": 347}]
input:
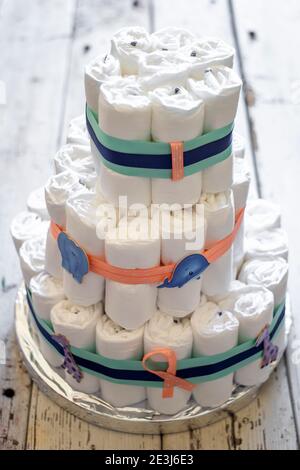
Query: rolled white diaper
[
  {"x": 219, "y": 215},
  {"x": 36, "y": 203},
  {"x": 159, "y": 69},
  {"x": 78, "y": 325},
  {"x": 261, "y": 215},
  {"x": 26, "y": 225},
  {"x": 220, "y": 91},
  {"x": 171, "y": 39},
  {"x": 124, "y": 109},
  {"x": 57, "y": 190},
  {"x": 253, "y": 307},
  {"x": 269, "y": 272},
  {"x": 271, "y": 242},
  {"x": 128, "y": 45},
  {"x": 131, "y": 245},
  {"x": 77, "y": 158},
  {"x": 238, "y": 143},
  {"x": 32, "y": 257},
  {"x": 241, "y": 183},
  {"x": 219, "y": 177},
  {"x": 114, "y": 185},
  {"x": 53, "y": 261},
  {"x": 163, "y": 331},
  {"x": 177, "y": 236},
  {"x": 82, "y": 220},
  {"x": 77, "y": 132},
  {"x": 234, "y": 287},
  {"x": 46, "y": 291},
  {"x": 176, "y": 115},
  {"x": 97, "y": 72},
  {"x": 215, "y": 331},
  {"x": 207, "y": 52},
  {"x": 115, "y": 342}
]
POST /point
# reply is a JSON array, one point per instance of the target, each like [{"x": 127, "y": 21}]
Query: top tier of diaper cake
[{"x": 150, "y": 254}]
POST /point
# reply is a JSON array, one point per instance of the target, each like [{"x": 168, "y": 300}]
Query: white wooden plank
[
  {"x": 273, "y": 73},
  {"x": 51, "y": 427},
  {"x": 96, "y": 22},
  {"x": 33, "y": 68}
]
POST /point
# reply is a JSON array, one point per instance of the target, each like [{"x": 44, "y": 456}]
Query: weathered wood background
[{"x": 44, "y": 45}]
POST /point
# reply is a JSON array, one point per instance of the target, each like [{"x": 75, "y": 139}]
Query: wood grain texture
[
  {"x": 51, "y": 427},
  {"x": 28, "y": 136},
  {"x": 273, "y": 75}
]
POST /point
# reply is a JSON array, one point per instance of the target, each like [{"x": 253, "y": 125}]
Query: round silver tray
[{"x": 91, "y": 408}]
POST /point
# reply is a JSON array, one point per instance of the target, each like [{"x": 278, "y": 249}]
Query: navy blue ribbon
[{"x": 159, "y": 162}]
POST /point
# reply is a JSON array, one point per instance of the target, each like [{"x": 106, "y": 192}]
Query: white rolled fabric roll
[
  {"x": 97, "y": 72},
  {"x": 176, "y": 115},
  {"x": 215, "y": 331},
  {"x": 53, "y": 261},
  {"x": 160, "y": 69},
  {"x": 220, "y": 91},
  {"x": 77, "y": 158},
  {"x": 124, "y": 109},
  {"x": 115, "y": 342},
  {"x": 261, "y": 215},
  {"x": 36, "y": 203},
  {"x": 238, "y": 144},
  {"x": 57, "y": 190},
  {"x": 219, "y": 177},
  {"x": 239, "y": 250},
  {"x": 219, "y": 215},
  {"x": 82, "y": 220},
  {"x": 207, "y": 52},
  {"x": 171, "y": 39},
  {"x": 114, "y": 185},
  {"x": 164, "y": 331},
  {"x": 131, "y": 245},
  {"x": 77, "y": 132},
  {"x": 130, "y": 306},
  {"x": 269, "y": 272},
  {"x": 46, "y": 292},
  {"x": 253, "y": 307},
  {"x": 78, "y": 325},
  {"x": 234, "y": 287},
  {"x": 26, "y": 225},
  {"x": 176, "y": 237},
  {"x": 271, "y": 242},
  {"x": 241, "y": 183},
  {"x": 32, "y": 257},
  {"x": 128, "y": 45}
]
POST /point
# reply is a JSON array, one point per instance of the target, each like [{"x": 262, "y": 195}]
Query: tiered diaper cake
[{"x": 142, "y": 285}]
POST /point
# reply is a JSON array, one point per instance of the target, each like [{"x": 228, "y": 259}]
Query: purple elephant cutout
[
  {"x": 270, "y": 349},
  {"x": 74, "y": 259},
  {"x": 69, "y": 363}
]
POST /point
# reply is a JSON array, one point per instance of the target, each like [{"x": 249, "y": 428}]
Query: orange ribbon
[
  {"x": 177, "y": 160},
  {"x": 157, "y": 274},
  {"x": 168, "y": 376}
]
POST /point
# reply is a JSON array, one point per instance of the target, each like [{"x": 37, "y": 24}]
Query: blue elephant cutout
[{"x": 74, "y": 259}]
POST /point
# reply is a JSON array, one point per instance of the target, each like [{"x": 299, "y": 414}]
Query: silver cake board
[{"x": 91, "y": 408}]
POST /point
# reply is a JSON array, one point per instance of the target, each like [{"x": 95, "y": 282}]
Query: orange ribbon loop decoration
[
  {"x": 177, "y": 160},
  {"x": 168, "y": 376}
]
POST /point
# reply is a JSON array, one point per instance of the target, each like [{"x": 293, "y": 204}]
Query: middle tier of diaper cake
[{"x": 140, "y": 247}]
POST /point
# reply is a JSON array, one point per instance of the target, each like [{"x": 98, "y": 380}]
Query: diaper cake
[{"x": 150, "y": 280}]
